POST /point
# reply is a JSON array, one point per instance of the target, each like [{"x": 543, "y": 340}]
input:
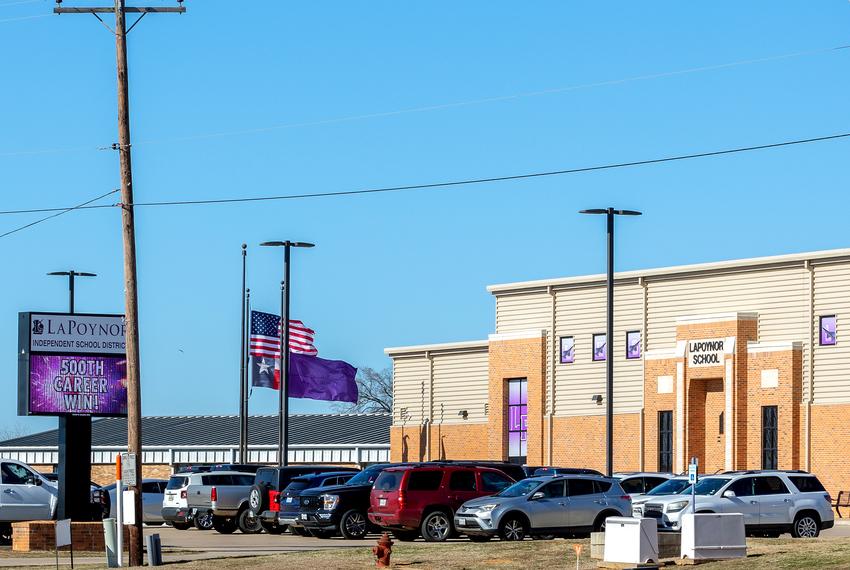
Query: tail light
[
  {"x": 626, "y": 498},
  {"x": 401, "y": 498},
  {"x": 828, "y": 498},
  {"x": 213, "y": 494},
  {"x": 183, "y": 494}
]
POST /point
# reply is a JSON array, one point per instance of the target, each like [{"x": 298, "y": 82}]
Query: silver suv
[
  {"x": 539, "y": 506},
  {"x": 772, "y": 502}
]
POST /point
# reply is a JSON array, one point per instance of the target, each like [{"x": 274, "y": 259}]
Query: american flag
[{"x": 265, "y": 336}]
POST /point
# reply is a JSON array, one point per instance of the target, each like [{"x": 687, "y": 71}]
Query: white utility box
[
  {"x": 630, "y": 540},
  {"x": 713, "y": 536},
  {"x": 129, "y": 510}
]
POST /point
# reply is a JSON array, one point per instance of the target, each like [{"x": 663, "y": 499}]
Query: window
[
  {"x": 517, "y": 420},
  {"x": 601, "y": 486},
  {"x": 653, "y": 482},
  {"x": 265, "y": 476},
  {"x": 770, "y": 486},
  {"x": 568, "y": 350},
  {"x": 242, "y": 479},
  {"x": 578, "y": 487},
  {"x": 462, "y": 481},
  {"x": 150, "y": 487},
  {"x": 14, "y": 474},
  {"x": 827, "y": 330},
  {"x": 388, "y": 481},
  {"x": 665, "y": 441},
  {"x": 632, "y": 486},
  {"x": 743, "y": 487},
  {"x": 769, "y": 437},
  {"x": 494, "y": 482},
  {"x": 600, "y": 347},
  {"x": 807, "y": 484},
  {"x": 175, "y": 482},
  {"x": 424, "y": 480},
  {"x": 721, "y": 423},
  {"x": 633, "y": 345},
  {"x": 553, "y": 489}
]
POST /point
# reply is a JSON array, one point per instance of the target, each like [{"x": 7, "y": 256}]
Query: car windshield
[
  {"x": 707, "y": 486},
  {"x": 670, "y": 487},
  {"x": 366, "y": 477},
  {"x": 520, "y": 489},
  {"x": 177, "y": 483}
]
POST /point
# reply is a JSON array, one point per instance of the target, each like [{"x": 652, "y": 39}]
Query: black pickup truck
[{"x": 340, "y": 509}]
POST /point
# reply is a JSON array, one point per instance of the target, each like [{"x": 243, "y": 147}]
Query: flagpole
[
  {"x": 283, "y": 393},
  {"x": 246, "y": 383},
  {"x": 243, "y": 412}
]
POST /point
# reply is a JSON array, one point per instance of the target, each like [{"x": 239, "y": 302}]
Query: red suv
[{"x": 422, "y": 499}]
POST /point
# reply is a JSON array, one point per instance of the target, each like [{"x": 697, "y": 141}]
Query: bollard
[
  {"x": 154, "y": 547},
  {"x": 110, "y": 541},
  {"x": 383, "y": 551}
]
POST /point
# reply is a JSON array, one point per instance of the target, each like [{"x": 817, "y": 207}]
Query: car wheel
[
  {"x": 599, "y": 523},
  {"x": 352, "y": 525},
  {"x": 513, "y": 528},
  {"x": 272, "y": 528},
  {"x": 478, "y": 538},
  {"x": 405, "y": 535},
  {"x": 180, "y": 526},
  {"x": 300, "y": 531},
  {"x": 204, "y": 521},
  {"x": 436, "y": 527},
  {"x": 248, "y": 522},
  {"x": 224, "y": 525},
  {"x": 805, "y": 526},
  {"x": 5, "y": 533},
  {"x": 257, "y": 498}
]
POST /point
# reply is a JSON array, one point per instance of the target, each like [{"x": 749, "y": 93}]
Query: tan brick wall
[
  {"x": 448, "y": 441},
  {"x": 513, "y": 359},
  {"x": 580, "y": 442},
  {"x": 787, "y": 397},
  {"x": 41, "y": 535},
  {"x": 830, "y": 453}
]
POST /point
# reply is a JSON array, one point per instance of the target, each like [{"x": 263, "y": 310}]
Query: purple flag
[{"x": 319, "y": 379}]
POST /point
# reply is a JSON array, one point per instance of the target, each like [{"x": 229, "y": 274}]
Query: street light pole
[
  {"x": 74, "y": 445},
  {"x": 283, "y": 394},
  {"x": 609, "y": 332}
]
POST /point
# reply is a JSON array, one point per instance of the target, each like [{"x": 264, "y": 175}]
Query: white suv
[{"x": 772, "y": 502}]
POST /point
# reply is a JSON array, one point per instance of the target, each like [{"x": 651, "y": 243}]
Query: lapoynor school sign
[
  {"x": 71, "y": 364},
  {"x": 706, "y": 352}
]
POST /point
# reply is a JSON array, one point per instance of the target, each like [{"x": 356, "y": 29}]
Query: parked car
[
  {"x": 541, "y": 506},
  {"x": 342, "y": 509},
  {"x": 269, "y": 482},
  {"x": 422, "y": 499},
  {"x": 672, "y": 486},
  {"x": 289, "y": 499},
  {"x": 772, "y": 502},
  {"x": 240, "y": 467},
  {"x": 544, "y": 471},
  {"x": 25, "y": 495},
  {"x": 153, "y": 494},
  {"x": 639, "y": 483},
  {"x": 220, "y": 501}
]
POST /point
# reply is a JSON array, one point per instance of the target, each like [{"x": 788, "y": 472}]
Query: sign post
[
  {"x": 693, "y": 479},
  {"x": 63, "y": 538}
]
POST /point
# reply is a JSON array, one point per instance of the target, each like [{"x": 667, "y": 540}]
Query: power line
[
  {"x": 436, "y": 107},
  {"x": 63, "y": 211},
  {"x": 452, "y": 183},
  {"x": 25, "y": 18}
]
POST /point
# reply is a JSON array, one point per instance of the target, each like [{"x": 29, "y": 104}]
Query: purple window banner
[
  {"x": 633, "y": 345},
  {"x": 600, "y": 347},
  {"x": 827, "y": 330},
  {"x": 517, "y": 418},
  {"x": 568, "y": 350},
  {"x": 78, "y": 385}
]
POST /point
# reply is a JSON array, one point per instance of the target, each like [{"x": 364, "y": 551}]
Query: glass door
[{"x": 517, "y": 421}]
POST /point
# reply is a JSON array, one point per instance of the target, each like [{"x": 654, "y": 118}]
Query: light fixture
[
  {"x": 597, "y": 398},
  {"x": 464, "y": 414}
]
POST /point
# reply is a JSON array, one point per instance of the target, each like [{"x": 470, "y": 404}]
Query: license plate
[
  {"x": 382, "y": 502},
  {"x": 303, "y": 516},
  {"x": 288, "y": 500}
]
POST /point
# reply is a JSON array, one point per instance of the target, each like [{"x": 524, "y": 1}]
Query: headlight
[
  {"x": 677, "y": 506},
  {"x": 330, "y": 502},
  {"x": 486, "y": 508}
]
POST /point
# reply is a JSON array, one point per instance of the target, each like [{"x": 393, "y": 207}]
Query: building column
[
  {"x": 680, "y": 417},
  {"x": 728, "y": 417}
]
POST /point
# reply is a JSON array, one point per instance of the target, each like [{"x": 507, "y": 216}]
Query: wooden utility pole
[{"x": 131, "y": 298}]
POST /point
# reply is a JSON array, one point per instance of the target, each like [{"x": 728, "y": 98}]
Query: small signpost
[
  {"x": 63, "y": 538},
  {"x": 577, "y": 548},
  {"x": 693, "y": 479}
]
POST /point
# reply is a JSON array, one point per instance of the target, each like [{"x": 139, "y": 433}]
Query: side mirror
[
  {"x": 535, "y": 496},
  {"x": 729, "y": 494}
]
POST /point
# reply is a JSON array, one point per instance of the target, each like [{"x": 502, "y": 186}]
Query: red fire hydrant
[{"x": 383, "y": 551}]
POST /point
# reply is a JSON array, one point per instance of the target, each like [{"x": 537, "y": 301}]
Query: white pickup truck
[{"x": 25, "y": 495}]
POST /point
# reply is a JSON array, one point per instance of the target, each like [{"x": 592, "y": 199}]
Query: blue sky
[{"x": 405, "y": 268}]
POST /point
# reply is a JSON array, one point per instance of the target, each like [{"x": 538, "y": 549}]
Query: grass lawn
[{"x": 763, "y": 554}]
